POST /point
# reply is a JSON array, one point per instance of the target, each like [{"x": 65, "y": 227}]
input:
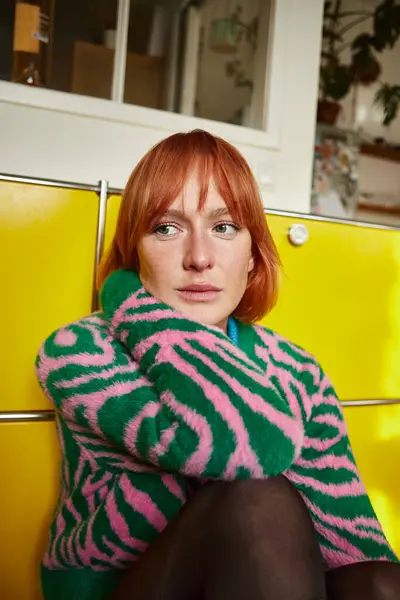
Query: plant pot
[{"x": 328, "y": 112}]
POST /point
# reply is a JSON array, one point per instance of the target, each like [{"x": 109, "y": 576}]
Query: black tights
[{"x": 249, "y": 540}]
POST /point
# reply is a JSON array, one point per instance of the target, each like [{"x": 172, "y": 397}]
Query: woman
[{"x": 203, "y": 457}]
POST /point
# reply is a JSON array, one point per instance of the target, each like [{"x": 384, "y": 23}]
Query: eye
[
  {"x": 227, "y": 229},
  {"x": 165, "y": 230}
]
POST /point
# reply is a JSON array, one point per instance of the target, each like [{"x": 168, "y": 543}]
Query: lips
[
  {"x": 199, "y": 292},
  {"x": 199, "y": 287}
]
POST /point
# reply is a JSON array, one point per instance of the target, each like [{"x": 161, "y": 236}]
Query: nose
[{"x": 199, "y": 254}]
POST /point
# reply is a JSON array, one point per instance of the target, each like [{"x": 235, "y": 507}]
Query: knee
[
  {"x": 258, "y": 492},
  {"x": 243, "y": 505},
  {"x": 242, "y": 501},
  {"x": 257, "y": 487},
  {"x": 264, "y": 510}
]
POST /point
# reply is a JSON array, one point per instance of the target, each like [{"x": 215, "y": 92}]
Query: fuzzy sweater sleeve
[
  {"x": 189, "y": 402},
  {"x": 327, "y": 477},
  {"x": 227, "y": 420}
]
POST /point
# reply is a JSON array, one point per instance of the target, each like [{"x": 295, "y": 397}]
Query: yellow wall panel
[
  {"x": 29, "y": 474},
  {"x": 375, "y": 436},
  {"x": 113, "y": 204},
  {"x": 340, "y": 299},
  {"x": 47, "y": 249}
]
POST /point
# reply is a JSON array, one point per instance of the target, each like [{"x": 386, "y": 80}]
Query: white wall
[
  {"x": 379, "y": 177},
  {"x": 379, "y": 184},
  {"x": 367, "y": 116},
  {"x": 62, "y": 136}
]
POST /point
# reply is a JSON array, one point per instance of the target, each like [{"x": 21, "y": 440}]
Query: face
[{"x": 197, "y": 261}]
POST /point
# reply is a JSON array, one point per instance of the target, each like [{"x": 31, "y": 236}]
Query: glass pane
[
  {"x": 229, "y": 52},
  {"x": 83, "y": 54},
  {"x": 357, "y": 145},
  {"x": 7, "y": 10},
  {"x": 208, "y": 59},
  {"x": 59, "y": 44}
]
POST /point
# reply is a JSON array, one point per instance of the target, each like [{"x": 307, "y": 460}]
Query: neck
[{"x": 223, "y": 325}]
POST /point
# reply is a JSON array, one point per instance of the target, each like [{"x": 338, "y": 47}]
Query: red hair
[{"x": 159, "y": 178}]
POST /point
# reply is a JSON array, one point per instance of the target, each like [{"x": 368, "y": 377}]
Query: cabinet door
[
  {"x": 47, "y": 245},
  {"x": 29, "y": 473},
  {"x": 340, "y": 300},
  {"x": 375, "y": 437}
]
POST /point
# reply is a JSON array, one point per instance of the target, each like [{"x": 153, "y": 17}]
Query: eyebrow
[{"x": 212, "y": 214}]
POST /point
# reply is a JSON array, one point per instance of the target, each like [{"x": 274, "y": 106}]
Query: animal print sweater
[{"x": 147, "y": 399}]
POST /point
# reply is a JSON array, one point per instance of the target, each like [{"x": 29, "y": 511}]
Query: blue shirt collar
[{"x": 233, "y": 331}]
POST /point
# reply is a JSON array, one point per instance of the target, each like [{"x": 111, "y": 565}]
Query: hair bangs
[
  {"x": 163, "y": 174},
  {"x": 233, "y": 180}
]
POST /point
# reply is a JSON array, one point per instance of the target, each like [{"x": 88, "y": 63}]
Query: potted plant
[{"x": 337, "y": 77}]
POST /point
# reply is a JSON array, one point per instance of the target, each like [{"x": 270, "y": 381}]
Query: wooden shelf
[
  {"x": 375, "y": 150},
  {"x": 338, "y": 132},
  {"x": 382, "y": 152},
  {"x": 380, "y": 208}
]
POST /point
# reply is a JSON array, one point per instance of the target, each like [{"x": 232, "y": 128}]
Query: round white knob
[{"x": 298, "y": 234}]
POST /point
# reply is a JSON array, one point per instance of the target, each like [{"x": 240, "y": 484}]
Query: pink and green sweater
[{"x": 147, "y": 399}]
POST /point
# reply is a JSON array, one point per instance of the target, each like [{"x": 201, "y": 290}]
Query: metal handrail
[{"x": 49, "y": 415}]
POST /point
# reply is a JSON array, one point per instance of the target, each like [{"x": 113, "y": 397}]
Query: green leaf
[
  {"x": 336, "y": 82},
  {"x": 387, "y": 98},
  {"x": 362, "y": 42},
  {"x": 386, "y": 25}
]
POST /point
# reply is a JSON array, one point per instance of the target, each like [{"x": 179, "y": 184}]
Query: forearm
[{"x": 97, "y": 386}]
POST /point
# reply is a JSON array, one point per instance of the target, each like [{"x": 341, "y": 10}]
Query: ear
[{"x": 251, "y": 264}]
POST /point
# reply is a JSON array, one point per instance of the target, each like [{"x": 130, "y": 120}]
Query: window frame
[{"x": 281, "y": 15}]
